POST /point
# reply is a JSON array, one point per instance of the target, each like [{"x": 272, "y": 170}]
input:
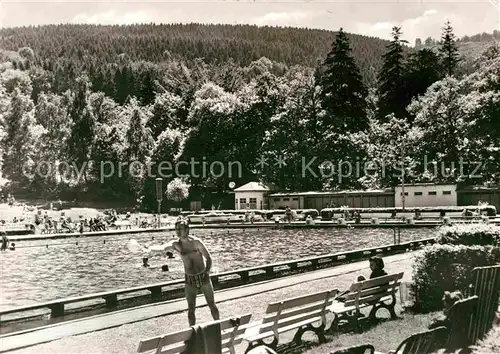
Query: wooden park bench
[
  {"x": 232, "y": 331},
  {"x": 461, "y": 316},
  {"x": 299, "y": 313},
  {"x": 373, "y": 292},
  {"x": 486, "y": 285},
  {"x": 422, "y": 342}
]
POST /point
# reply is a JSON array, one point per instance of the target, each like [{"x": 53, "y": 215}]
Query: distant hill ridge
[
  {"x": 213, "y": 43},
  {"x": 95, "y": 45}
]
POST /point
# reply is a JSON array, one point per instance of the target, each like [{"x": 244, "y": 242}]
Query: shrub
[
  {"x": 470, "y": 234},
  {"x": 439, "y": 268}
]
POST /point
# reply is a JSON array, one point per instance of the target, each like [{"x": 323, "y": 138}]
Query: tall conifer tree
[
  {"x": 449, "y": 50},
  {"x": 391, "y": 90},
  {"x": 343, "y": 94}
]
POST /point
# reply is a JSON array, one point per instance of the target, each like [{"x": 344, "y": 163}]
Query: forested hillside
[{"x": 97, "y": 112}]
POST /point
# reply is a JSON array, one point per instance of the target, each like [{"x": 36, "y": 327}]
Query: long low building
[
  {"x": 321, "y": 200},
  {"x": 419, "y": 194}
]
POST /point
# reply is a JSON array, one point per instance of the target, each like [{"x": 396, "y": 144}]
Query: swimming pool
[{"x": 36, "y": 273}]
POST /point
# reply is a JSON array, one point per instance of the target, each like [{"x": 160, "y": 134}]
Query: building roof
[
  {"x": 296, "y": 194},
  {"x": 254, "y": 187},
  {"x": 426, "y": 184}
]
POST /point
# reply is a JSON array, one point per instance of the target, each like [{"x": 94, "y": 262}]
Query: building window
[
  {"x": 243, "y": 201},
  {"x": 253, "y": 203},
  {"x": 406, "y": 193},
  {"x": 432, "y": 193},
  {"x": 446, "y": 192},
  {"x": 418, "y": 193},
  {"x": 276, "y": 199},
  {"x": 286, "y": 199},
  {"x": 295, "y": 198}
]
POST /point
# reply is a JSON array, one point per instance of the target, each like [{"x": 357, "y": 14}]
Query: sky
[{"x": 418, "y": 19}]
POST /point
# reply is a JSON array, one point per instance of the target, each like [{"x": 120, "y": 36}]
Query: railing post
[
  {"x": 269, "y": 271},
  {"x": 215, "y": 280},
  {"x": 111, "y": 300},
  {"x": 245, "y": 277},
  {"x": 56, "y": 310},
  {"x": 155, "y": 292}
]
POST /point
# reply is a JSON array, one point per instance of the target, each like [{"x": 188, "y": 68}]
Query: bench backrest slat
[
  {"x": 285, "y": 322},
  {"x": 175, "y": 349},
  {"x": 461, "y": 317},
  {"x": 486, "y": 285},
  {"x": 296, "y": 302},
  {"x": 385, "y": 288},
  {"x": 373, "y": 289},
  {"x": 176, "y": 342},
  {"x": 314, "y": 307},
  {"x": 295, "y": 310},
  {"x": 371, "y": 283},
  {"x": 153, "y": 343},
  {"x": 423, "y": 342}
]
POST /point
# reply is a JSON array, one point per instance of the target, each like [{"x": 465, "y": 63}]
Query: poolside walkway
[{"x": 121, "y": 331}]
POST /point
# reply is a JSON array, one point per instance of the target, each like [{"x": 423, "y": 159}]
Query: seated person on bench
[
  {"x": 449, "y": 300},
  {"x": 377, "y": 268}
]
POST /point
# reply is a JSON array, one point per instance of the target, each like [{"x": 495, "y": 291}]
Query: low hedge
[
  {"x": 470, "y": 234},
  {"x": 439, "y": 268}
]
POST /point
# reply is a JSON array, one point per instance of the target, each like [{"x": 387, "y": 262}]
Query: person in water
[
  {"x": 5, "y": 241},
  {"x": 197, "y": 272}
]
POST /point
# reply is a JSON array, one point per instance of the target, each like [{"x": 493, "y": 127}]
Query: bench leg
[
  {"x": 353, "y": 321},
  {"x": 381, "y": 305},
  {"x": 273, "y": 345},
  {"x": 334, "y": 326},
  {"x": 319, "y": 331}
]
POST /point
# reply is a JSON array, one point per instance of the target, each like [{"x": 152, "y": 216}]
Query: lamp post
[
  {"x": 159, "y": 198},
  {"x": 403, "y": 178}
]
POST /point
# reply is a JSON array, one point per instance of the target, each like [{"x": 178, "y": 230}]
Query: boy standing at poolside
[{"x": 197, "y": 273}]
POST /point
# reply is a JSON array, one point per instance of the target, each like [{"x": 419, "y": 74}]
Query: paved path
[{"x": 249, "y": 299}]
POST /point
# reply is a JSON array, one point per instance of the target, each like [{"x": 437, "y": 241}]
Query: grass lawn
[
  {"x": 385, "y": 335},
  {"x": 490, "y": 344}
]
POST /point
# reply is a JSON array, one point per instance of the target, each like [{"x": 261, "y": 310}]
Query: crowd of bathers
[{"x": 47, "y": 224}]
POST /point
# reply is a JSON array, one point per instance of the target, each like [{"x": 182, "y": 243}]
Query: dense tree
[
  {"x": 165, "y": 113},
  {"x": 449, "y": 50},
  {"x": 343, "y": 94},
  {"x": 391, "y": 90},
  {"x": 422, "y": 70},
  {"x": 444, "y": 123},
  {"x": 82, "y": 134},
  {"x": 389, "y": 147},
  {"x": 20, "y": 139}
]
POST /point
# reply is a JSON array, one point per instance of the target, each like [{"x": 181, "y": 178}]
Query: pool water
[{"x": 36, "y": 273}]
